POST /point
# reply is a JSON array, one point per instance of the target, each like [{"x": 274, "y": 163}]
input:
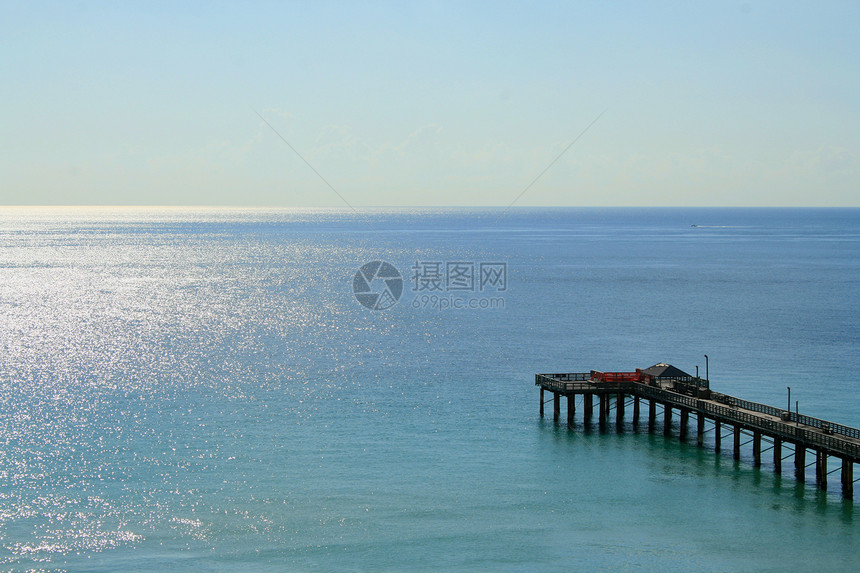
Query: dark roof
[{"x": 662, "y": 370}]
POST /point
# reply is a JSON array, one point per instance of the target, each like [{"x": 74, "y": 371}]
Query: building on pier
[{"x": 663, "y": 372}]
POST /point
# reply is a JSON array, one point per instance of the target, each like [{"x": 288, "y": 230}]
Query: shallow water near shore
[{"x": 200, "y": 389}]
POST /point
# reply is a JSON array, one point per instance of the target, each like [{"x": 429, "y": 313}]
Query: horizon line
[{"x": 343, "y": 207}]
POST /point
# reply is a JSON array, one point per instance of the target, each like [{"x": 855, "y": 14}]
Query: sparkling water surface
[{"x": 199, "y": 389}]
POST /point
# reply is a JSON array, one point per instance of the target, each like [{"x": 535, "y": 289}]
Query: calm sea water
[{"x": 201, "y": 390}]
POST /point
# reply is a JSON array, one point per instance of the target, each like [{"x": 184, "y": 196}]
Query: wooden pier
[{"x": 690, "y": 395}]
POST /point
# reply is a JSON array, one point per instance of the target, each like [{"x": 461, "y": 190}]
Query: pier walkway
[{"x": 691, "y": 395}]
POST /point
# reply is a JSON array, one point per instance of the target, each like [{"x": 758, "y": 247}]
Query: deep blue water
[{"x": 200, "y": 389}]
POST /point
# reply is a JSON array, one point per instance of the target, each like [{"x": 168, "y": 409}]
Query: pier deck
[{"x": 692, "y": 396}]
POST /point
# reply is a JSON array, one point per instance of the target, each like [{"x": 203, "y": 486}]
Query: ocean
[{"x": 326, "y": 390}]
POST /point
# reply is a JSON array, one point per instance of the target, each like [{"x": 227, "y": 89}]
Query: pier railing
[
  {"x": 790, "y": 416},
  {"x": 568, "y": 377},
  {"x": 578, "y": 382},
  {"x": 736, "y": 414}
]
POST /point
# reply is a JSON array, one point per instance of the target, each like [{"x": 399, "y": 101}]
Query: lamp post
[
  {"x": 706, "y": 370},
  {"x": 789, "y": 399}
]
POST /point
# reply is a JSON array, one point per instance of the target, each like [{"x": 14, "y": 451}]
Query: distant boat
[{"x": 694, "y": 225}]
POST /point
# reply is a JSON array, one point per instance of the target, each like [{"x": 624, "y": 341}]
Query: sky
[{"x": 430, "y": 103}]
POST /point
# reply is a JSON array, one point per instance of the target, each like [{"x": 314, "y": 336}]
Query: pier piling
[
  {"x": 800, "y": 462},
  {"x": 667, "y": 419},
  {"x": 777, "y": 455},
  {"x": 541, "y": 402},
  {"x": 757, "y": 448},
  {"x": 821, "y": 469},
  {"x": 685, "y": 416},
  {"x": 736, "y": 451},
  {"x": 700, "y": 429},
  {"x": 718, "y": 435},
  {"x": 847, "y": 478}
]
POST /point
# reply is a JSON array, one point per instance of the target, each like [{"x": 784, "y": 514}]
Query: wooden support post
[
  {"x": 635, "y": 411},
  {"x": 589, "y": 407},
  {"x": 821, "y": 469},
  {"x": 847, "y": 478},
  {"x": 700, "y": 429},
  {"x": 667, "y": 419},
  {"x": 541, "y": 402},
  {"x": 777, "y": 455},
  {"x": 757, "y": 448},
  {"x": 800, "y": 461},
  {"x": 619, "y": 408},
  {"x": 736, "y": 454},
  {"x": 718, "y": 435},
  {"x": 604, "y": 408},
  {"x": 652, "y": 415},
  {"x": 556, "y": 405},
  {"x": 685, "y": 418},
  {"x": 571, "y": 409}
]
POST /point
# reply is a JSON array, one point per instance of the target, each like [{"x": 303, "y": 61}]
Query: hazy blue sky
[{"x": 430, "y": 103}]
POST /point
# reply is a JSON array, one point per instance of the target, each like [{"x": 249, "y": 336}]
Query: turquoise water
[{"x": 200, "y": 389}]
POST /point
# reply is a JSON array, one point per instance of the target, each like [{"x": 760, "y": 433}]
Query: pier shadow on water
[{"x": 668, "y": 458}]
